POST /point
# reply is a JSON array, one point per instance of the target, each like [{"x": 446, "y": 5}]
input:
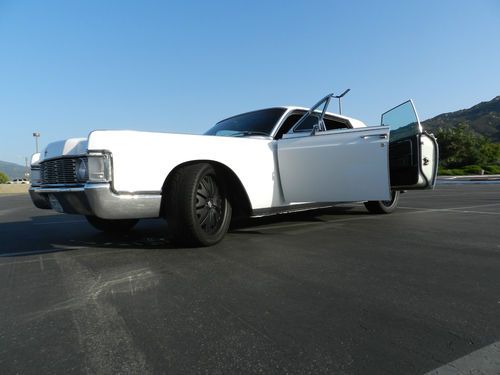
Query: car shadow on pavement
[
  {"x": 62, "y": 233},
  {"x": 58, "y": 233},
  {"x": 317, "y": 215}
]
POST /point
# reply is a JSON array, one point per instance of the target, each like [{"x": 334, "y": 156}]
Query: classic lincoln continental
[{"x": 264, "y": 162}]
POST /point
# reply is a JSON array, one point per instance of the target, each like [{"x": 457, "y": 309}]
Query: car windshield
[{"x": 252, "y": 123}]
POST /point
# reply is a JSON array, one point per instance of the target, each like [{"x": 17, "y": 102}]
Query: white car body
[{"x": 276, "y": 175}]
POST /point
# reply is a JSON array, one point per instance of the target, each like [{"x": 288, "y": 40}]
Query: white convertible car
[{"x": 258, "y": 163}]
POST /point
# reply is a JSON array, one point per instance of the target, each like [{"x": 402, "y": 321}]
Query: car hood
[
  {"x": 71, "y": 146},
  {"x": 80, "y": 146}
]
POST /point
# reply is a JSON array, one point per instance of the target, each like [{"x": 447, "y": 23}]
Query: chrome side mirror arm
[{"x": 315, "y": 129}]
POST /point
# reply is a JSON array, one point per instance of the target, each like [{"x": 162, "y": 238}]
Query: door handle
[{"x": 381, "y": 136}]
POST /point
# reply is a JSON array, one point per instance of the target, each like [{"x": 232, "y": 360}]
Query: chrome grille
[{"x": 58, "y": 171}]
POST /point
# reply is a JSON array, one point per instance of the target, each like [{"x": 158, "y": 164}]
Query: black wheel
[
  {"x": 198, "y": 210},
  {"x": 383, "y": 207},
  {"x": 112, "y": 226}
]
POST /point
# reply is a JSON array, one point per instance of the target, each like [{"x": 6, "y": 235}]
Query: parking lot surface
[{"x": 331, "y": 291}]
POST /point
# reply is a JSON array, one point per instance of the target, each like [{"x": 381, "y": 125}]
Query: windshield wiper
[{"x": 249, "y": 132}]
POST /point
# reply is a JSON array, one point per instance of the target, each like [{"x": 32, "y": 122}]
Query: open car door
[{"x": 413, "y": 153}]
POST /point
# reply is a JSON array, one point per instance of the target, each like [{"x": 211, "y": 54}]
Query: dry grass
[{"x": 14, "y": 188}]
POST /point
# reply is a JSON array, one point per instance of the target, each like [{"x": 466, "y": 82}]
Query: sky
[{"x": 69, "y": 67}]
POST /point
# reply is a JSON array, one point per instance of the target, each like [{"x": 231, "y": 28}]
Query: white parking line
[
  {"x": 476, "y": 212},
  {"x": 482, "y": 361},
  {"x": 455, "y": 209},
  {"x": 34, "y": 252},
  {"x": 415, "y": 210},
  {"x": 61, "y": 222},
  {"x": 18, "y": 253},
  {"x": 423, "y": 210},
  {"x": 19, "y": 259}
]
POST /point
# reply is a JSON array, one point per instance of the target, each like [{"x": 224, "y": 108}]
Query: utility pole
[
  {"x": 26, "y": 170},
  {"x": 36, "y": 135}
]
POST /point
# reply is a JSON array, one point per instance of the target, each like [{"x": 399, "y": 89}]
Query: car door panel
[
  {"x": 413, "y": 153},
  {"x": 335, "y": 166}
]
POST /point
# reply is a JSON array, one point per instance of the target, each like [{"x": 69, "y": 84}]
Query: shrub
[
  {"x": 492, "y": 169},
  {"x": 469, "y": 169},
  {"x": 472, "y": 169},
  {"x": 3, "y": 178},
  {"x": 450, "y": 172},
  {"x": 444, "y": 172}
]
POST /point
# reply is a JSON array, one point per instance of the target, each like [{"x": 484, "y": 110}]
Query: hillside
[
  {"x": 12, "y": 170},
  {"x": 484, "y": 118}
]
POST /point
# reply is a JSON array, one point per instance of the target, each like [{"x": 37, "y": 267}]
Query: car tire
[
  {"x": 198, "y": 210},
  {"x": 112, "y": 226},
  {"x": 383, "y": 207}
]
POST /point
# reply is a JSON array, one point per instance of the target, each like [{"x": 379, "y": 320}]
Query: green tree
[
  {"x": 491, "y": 152},
  {"x": 3, "y": 178},
  {"x": 461, "y": 146}
]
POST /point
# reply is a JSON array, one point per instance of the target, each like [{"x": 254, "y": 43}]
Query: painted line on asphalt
[
  {"x": 476, "y": 212},
  {"x": 88, "y": 253},
  {"x": 476, "y": 206},
  {"x": 450, "y": 210},
  {"x": 33, "y": 252},
  {"x": 453, "y": 193},
  {"x": 483, "y": 361},
  {"x": 45, "y": 251},
  {"x": 61, "y": 222},
  {"x": 415, "y": 210},
  {"x": 453, "y": 209}
]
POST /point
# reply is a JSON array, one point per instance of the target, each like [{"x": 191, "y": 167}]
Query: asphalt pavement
[{"x": 335, "y": 291}]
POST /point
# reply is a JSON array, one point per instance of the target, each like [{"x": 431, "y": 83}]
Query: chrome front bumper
[{"x": 96, "y": 200}]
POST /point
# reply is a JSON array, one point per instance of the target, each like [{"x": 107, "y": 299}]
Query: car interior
[{"x": 330, "y": 123}]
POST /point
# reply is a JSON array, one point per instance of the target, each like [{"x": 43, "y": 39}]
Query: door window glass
[{"x": 402, "y": 121}]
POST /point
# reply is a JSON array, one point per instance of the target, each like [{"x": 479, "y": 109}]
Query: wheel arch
[{"x": 237, "y": 193}]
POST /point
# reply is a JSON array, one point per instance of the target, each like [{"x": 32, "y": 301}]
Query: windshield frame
[
  {"x": 266, "y": 132},
  {"x": 325, "y": 102}
]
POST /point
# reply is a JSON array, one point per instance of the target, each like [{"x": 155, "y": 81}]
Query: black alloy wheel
[
  {"x": 384, "y": 207},
  {"x": 209, "y": 205},
  {"x": 198, "y": 210}
]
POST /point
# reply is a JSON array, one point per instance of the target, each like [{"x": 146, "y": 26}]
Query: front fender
[{"x": 143, "y": 160}]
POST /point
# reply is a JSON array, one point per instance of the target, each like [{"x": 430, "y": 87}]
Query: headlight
[
  {"x": 35, "y": 175},
  {"x": 99, "y": 169}
]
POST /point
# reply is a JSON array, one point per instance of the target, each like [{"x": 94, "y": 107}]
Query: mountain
[
  {"x": 484, "y": 118},
  {"x": 12, "y": 170}
]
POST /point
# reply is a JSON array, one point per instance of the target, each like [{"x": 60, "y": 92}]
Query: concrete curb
[
  {"x": 470, "y": 179},
  {"x": 486, "y": 177}
]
